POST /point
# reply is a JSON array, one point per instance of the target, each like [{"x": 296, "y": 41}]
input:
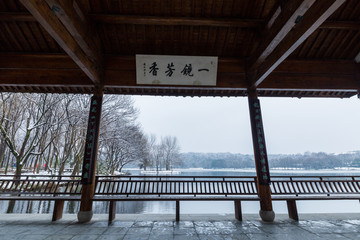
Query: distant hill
[{"x": 307, "y": 160}]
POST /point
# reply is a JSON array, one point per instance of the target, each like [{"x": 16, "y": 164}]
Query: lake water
[{"x": 202, "y": 207}]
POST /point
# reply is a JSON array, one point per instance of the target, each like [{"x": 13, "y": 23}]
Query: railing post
[
  {"x": 90, "y": 157},
  {"x": 261, "y": 162}
]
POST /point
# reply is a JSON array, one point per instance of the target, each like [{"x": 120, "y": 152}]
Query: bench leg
[
  {"x": 292, "y": 210},
  {"x": 238, "y": 214},
  {"x": 112, "y": 211},
  {"x": 177, "y": 211},
  {"x": 58, "y": 210}
]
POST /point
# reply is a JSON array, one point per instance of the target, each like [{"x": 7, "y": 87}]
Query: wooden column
[
  {"x": 90, "y": 157},
  {"x": 261, "y": 161}
]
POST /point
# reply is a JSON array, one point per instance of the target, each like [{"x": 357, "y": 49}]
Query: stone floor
[{"x": 163, "y": 227}]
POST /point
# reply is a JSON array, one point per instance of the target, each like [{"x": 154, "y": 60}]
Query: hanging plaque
[{"x": 176, "y": 70}]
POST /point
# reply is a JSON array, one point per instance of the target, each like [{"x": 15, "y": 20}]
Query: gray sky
[{"x": 291, "y": 125}]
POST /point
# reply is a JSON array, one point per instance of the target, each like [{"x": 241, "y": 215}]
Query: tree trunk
[
  {"x": 7, "y": 164},
  {"x": 62, "y": 167},
  {"x": 2, "y": 153},
  {"x": 18, "y": 170}
]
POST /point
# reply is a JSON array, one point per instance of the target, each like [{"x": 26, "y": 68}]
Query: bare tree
[
  {"x": 149, "y": 143},
  {"x": 171, "y": 149},
  {"x": 32, "y": 125}
]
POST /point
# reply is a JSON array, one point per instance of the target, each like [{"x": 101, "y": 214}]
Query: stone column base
[
  {"x": 84, "y": 216},
  {"x": 267, "y": 216}
]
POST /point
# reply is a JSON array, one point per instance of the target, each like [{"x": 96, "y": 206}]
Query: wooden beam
[
  {"x": 278, "y": 27},
  {"x": 74, "y": 20},
  {"x": 60, "y": 22},
  {"x": 293, "y": 26},
  {"x": 60, "y": 70},
  {"x": 176, "y": 21}
]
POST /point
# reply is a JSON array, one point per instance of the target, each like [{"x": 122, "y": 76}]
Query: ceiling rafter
[
  {"x": 65, "y": 23},
  {"x": 296, "y": 21},
  {"x": 357, "y": 58}
]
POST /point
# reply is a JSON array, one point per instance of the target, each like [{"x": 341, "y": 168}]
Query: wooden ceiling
[{"x": 295, "y": 48}]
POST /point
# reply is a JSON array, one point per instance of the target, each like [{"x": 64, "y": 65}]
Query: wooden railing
[
  {"x": 179, "y": 188},
  {"x": 175, "y": 185},
  {"x": 40, "y": 185},
  {"x": 315, "y": 185}
]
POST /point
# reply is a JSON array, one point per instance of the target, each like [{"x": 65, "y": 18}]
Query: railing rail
[{"x": 180, "y": 185}]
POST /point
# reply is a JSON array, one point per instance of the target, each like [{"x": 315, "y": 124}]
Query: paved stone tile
[
  {"x": 136, "y": 236},
  {"x": 46, "y": 229},
  {"x": 29, "y": 237},
  {"x": 352, "y": 235},
  {"x": 116, "y": 231},
  {"x": 204, "y": 224},
  {"x": 121, "y": 224},
  {"x": 164, "y": 224},
  {"x": 139, "y": 231},
  {"x": 161, "y": 237},
  {"x": 224, "y": 224},
  {"x": 332, "y": 236},
  {"x": 344, "y": 227},
  {"x": 95, "y": 230},
  {"x": 85, "y": 237},
  {"x": 184, "y": 231},
  {"x": 353, "y": 221},
  {"x": 7, "y": 236},
  {"x": 111, "y": 237},
  {"x": 73, "y": 229},
  {"x": 249, "y": 229},
  {"x": 207, "y": 230},
  {"x": 185, "y": 224},
  {"x": 282, "y": 237},
  {"x": 211, "y": 237},
  {"x": 283, "y": 229},
  {"x": 15, "y": 229},
  {"x": 59, "y": 237},
  {"x": 159, "y": 230},
  {"x": 228, "y": 231},
  {"x": 100, "y": 224},
  {"x": 318, "y": 226},
  {"x": 182, "y": 237},
  {"x": 144, "y": 224},
  {"x": 236, "y": 237}
]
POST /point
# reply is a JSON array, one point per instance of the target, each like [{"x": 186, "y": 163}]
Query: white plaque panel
[{"x": 176, "y": 70}]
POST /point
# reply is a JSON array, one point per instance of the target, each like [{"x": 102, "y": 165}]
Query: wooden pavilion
[{"x": 286, "y": 48}]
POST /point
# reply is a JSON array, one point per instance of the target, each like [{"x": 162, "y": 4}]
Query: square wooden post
[
  {"x": 58, "y": 210},
  {"x": 261, "y": 162},
  {"x": 177, "y": 211},
  {"x": 238, "y": 213},
  {"x": 112, "y": 210},
  {"x": 292, "y": 210}
]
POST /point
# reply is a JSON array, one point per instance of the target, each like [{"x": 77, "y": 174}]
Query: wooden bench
[
  {"x": 175, "y": 188},
  {"x": 41, "y": 188},
  {"x": 291, "y": 189}
]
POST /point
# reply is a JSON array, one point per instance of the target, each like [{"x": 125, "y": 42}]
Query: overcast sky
[{"x": 291, "y": 125}]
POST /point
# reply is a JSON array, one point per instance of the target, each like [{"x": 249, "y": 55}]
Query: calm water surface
[{"x": 219, "y": 207}]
